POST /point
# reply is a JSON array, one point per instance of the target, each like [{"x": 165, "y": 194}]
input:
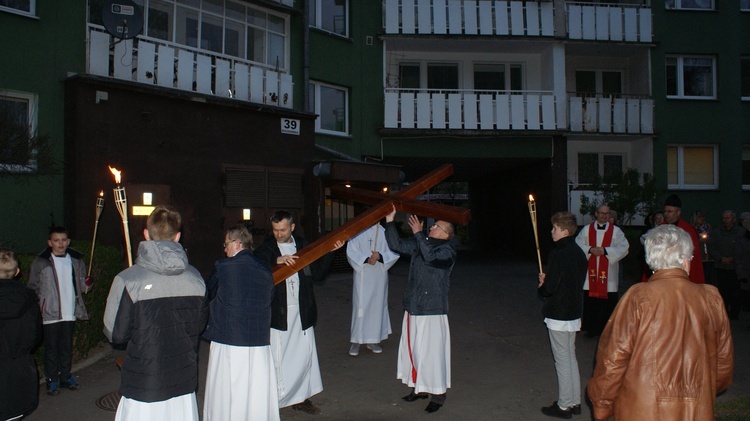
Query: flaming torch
[
  {"x": 99, "y": 207},
  {"x": 121, "y": 200},
  {"x": 532, "y": 213}
]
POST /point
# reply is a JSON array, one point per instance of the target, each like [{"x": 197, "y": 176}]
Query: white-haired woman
[{"x": 667, "y": 349}]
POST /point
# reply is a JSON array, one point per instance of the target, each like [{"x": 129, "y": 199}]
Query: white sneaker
[
  {"x": 375, "y": 348},
  {"x": 354, "y": 350}
]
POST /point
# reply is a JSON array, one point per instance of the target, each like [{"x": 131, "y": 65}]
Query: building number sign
[{"x": 290, "y": 126}]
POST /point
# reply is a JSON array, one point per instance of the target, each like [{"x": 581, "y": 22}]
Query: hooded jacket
[
  {"x": 158, "y": 307},
  {"x": 43, "y": 280},
  {"x": 665, "y": 352}
]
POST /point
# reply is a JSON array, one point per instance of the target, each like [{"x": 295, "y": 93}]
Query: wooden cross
[{"x": 381, "y": 203}]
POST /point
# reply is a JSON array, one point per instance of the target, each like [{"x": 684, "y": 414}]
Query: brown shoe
[{"x": 306, "y": 407}]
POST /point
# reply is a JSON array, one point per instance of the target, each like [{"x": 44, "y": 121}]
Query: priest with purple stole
[{"x": 604, "y": 245}]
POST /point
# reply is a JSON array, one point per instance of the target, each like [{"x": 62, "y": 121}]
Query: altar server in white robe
[{"x": 370, "y": 257}]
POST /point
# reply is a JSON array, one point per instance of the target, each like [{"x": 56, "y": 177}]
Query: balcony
[
  {"x": 609, "y": 22},
  {"x": 156, "y": 62},
  {"x": 470, "y": 17},
  {"x": 618, "y": 115},
  {"x": 469, "y": 110}
]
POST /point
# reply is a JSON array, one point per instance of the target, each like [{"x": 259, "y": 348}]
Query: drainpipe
[{"x": 306, "y": 55}]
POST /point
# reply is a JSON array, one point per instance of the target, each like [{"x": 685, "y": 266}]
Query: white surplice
[
  {"x": 617, "y": 251},
  {"x": 179, "y": 408},
  {"x": 294, "y": 352},
  {"x": 370, "y": 320},
  {"x": 428, "y": 345},
  {"x": 241, "y": 384}
]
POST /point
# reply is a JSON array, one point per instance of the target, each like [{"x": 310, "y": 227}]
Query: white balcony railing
[
  {"x": 609, "y": 22},
  {"x": 611, "y": 115},
  {"x": 469, "y": 110},
  {"x": 156, "y": 62},
  {"x": 468, "y": 17}
]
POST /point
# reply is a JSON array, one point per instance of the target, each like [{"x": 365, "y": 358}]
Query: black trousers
[
  {"x": 58, "y": 350},
  {"x": 596, "y": 312},
  {"x": 729, "y": 287}
]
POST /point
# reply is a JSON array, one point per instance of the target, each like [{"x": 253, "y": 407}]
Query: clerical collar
[{"x": 601, "y": 227}]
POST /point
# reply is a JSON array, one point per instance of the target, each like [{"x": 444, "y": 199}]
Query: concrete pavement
[{"x": 502, "y": 368}]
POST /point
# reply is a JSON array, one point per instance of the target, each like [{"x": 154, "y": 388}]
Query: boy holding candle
[{"x": 561, "y": 288}]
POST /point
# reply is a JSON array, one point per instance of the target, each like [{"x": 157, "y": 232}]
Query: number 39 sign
[{"x": 290, "y": 126}]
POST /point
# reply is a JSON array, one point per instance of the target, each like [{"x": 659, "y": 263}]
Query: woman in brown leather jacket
[{"x": 667, "y": 349}]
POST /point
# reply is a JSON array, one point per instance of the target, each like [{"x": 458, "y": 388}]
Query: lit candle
[
  {"x": 121, "y": 200},
  {"x": 532, "y": 213}
]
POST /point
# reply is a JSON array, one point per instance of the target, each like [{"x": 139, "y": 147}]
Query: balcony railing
[
  {"x": 468, "y": 17},
  {"x": 156, "y": 62},
  {"x": 609, "y": 22},
  {"x": 469, "y": 110},
  {"x": 611, "y": 115},
  {"x": 514, "y": 110}
]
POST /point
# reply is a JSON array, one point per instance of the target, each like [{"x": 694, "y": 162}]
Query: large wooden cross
[{"x": 381, "y": 203}]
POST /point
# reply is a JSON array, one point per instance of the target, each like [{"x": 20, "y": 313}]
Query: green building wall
[{"x": 37, "y": 54}]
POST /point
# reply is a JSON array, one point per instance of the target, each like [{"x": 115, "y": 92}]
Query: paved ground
[{"x": 501, "y": 363}]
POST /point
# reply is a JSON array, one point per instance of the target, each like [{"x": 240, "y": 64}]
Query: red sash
[{"x": 598, "y": 276}]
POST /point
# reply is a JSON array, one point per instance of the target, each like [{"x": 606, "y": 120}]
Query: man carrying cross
[
  {"x": 604, "y": 245},
  {"x": 425, "y": 350}
]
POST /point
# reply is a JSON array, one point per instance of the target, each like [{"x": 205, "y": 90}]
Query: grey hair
[
  {"x": 667, "y": 246},
  {"x": 240, "y": 233}
]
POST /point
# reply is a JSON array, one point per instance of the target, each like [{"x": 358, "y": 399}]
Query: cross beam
[{"x": 403, "y": 201}]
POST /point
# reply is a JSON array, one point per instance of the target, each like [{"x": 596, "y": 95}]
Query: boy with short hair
[{"x": 561, "y": 286}]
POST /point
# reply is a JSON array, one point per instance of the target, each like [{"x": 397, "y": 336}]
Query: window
[
  {"x": 692, "y": 167},
  {"x": 330, "y": 15},
  {"x": 690, "y": 4},
  {"x": 17, "y": 131},
  {"x": 442, "y": 76},
  {"x": 408, "y": 75},
  {"x": 223, "y": 27},
  {"x": 495, "y": 77},
  {"x": 692, "y": 77},
  {"x": 598, "y": 82},
  {"x": 745, "y": 77},
  {"x": 27, "y": 7},
  {"x": 331, "y": 104},
  {"x": 594, "y": 165},
  {"x": 746, "y": 167}
]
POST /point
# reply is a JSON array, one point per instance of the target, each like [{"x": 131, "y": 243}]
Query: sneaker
[
  {"x": 354, "y": 350},
  {"x": 576, "y": 409},
  {"x": 71, "y": 383},
  {"x": 555, "y": 411},
  {"x": 375, "y": 348},
  {"x": 53, "y": 387}
]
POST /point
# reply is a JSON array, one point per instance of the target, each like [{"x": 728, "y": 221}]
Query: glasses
[
  {"x": 441, "y": 228},
  {"x": 226, "y": 244}
]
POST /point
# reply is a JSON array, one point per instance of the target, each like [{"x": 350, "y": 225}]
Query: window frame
[
  {"x": 680, "y": 74},
  {"x": 677, "y": 5},
  {"x": 32, "y": 115},
  {"x": 31, "y": 12},
  {"x": 600, "y": 171},
  {"x": 316, "y": 107},
  {"x": 681, "y": 185},
  {"x": 316, "y": 18}
]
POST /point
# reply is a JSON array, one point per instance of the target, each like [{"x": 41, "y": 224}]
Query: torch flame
[
  {"x": 531, "y": 198},
  {"x": 101, "y": 193},
  {"x": 116, "y": 173}
]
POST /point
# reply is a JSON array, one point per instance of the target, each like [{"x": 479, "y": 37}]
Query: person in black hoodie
[
  {"x": 20, "y": 334},
  {"x": 561, "y": 286}
]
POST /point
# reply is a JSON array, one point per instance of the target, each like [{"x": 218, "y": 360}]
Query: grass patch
[{"x": 734, "y": 410}]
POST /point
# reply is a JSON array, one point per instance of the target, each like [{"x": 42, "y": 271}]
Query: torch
[
  {"x": 532, "y": 213},
  {"x": 99, "y": 207},
  {"x": 121, "y": 200}
]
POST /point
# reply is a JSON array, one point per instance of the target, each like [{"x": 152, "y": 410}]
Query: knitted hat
[{"x": 673, "y": 200}]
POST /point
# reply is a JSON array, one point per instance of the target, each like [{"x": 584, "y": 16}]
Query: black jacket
[
  {"x": 315, "y": 272},
  {"x": 432, "y": 261},
  {"x": 20, "y": 334},
  {"x": 240, "y": 291},
  {"x": 563, "y": 285}
]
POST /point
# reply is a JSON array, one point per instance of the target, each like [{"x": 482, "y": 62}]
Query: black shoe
[
  {"x": 575, "y": 408},
  {"x": 557, "y": 412},
  {"x": 432, "y": 407},
  {"x": 411, "y": 397},
  {"x": 306, "y": 407}
]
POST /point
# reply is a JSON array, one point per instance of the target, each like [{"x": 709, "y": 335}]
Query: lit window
[
  {"x": 330, "y": 15},
  {"x": 331, "y": 104},
  {"x": 692, "y": 167},
  {"x": 745, "y": 77},
  {"x": 690, "y": 4},
  {"x": 27, "y": 7},
  {"x": 17, "y": 131},
  {"x": 592, "y": 166},
  {"x": 691, "y": 77}
]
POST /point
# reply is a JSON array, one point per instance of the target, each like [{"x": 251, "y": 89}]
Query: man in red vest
[
  {"x": 673, "y": 215},
  {"x": 604, "y": 245}
]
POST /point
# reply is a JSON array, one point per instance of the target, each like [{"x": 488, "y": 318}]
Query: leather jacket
[{"x": 665, "y": 353}]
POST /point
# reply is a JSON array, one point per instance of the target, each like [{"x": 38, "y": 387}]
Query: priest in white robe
[{"x": 370, "y": 257}]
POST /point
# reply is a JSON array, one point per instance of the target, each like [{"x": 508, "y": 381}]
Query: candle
[
  {"x": 121, "y": 201},
  {"x": 532, "y": 214}
]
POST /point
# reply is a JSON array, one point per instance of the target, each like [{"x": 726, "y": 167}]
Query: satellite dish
[{"x": 122, "y": 18}]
